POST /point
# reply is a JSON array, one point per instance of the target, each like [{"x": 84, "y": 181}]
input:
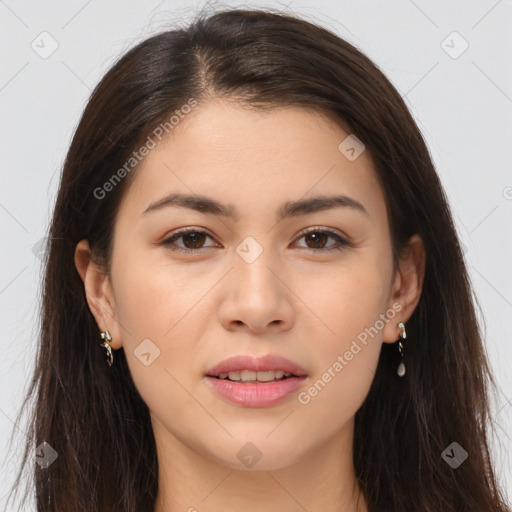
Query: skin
[{"x": 201, "y": 308}]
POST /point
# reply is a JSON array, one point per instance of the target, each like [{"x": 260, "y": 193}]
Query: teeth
[{"x": 251, "y": 376}]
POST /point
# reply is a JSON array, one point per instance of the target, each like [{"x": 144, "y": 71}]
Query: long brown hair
[{"x": 93, "y": 416}]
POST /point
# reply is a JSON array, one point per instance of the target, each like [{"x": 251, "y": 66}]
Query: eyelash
[{"x": 342, "y": 242}]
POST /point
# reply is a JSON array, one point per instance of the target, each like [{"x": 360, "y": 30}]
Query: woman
[{"x": 254, "y": 293}]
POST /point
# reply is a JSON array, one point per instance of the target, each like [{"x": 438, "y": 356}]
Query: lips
[
  {"x": 260, "y": 394},
  {"x": 250, "y": 393},
  {"x": 265, "y": 363}
]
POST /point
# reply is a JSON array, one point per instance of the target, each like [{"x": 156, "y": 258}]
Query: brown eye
[
  {"x": 192, "y": 239},
  {"x": 316, "y": 240},
  {"x": 195, "y": 238}
]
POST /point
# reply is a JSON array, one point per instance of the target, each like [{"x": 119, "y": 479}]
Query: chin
[{"x": 257, "y": 455}]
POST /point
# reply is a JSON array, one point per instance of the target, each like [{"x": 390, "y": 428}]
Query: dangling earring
[
  {"x": 401, "y": 367},
  {"x": 107, "y": 337}
]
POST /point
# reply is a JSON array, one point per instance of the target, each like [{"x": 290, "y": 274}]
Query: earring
[
  {"x": 107, "y": 337},
  {"x": 401, "y": 367}
]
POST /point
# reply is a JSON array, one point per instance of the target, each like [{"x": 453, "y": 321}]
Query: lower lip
[{"x": 262, "y": 394}]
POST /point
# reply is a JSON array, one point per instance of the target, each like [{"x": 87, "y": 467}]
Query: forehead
[{"x": 253, "y": 159}]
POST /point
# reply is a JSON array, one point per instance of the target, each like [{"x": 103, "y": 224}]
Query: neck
[{"x": 323, "y": 479}]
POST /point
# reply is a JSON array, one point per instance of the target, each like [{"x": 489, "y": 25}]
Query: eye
[
  {"x": 319, "y": 236},
  {"x": 194, "y": 239}
]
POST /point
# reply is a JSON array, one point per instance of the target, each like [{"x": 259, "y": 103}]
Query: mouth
[
  {"x": 246, "y": 368},
  {"x": 256, "y": 382},
  {"x": 255, "y": 377}
]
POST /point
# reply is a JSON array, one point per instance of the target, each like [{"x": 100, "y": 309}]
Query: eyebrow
[{"x": 208, "y": 205}]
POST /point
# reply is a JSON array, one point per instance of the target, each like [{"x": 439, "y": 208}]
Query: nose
[{"x": 256, "y": 297}]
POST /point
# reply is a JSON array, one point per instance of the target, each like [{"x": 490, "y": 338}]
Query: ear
[
  {"x": 98, "y": 292},
  {"x": 407, "y": 286}
]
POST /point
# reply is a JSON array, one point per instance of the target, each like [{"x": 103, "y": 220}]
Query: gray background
[{"x": 462, "y": 101}]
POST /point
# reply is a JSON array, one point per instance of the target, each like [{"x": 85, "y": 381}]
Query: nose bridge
[
  {"x": 255, "y": 294},
  {"x": 253, "y": 261}
]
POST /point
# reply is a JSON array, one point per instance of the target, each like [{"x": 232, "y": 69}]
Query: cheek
[
  {"x": 353, "y": 306},
  {"x": 347, "y": 300},
  {"x": 155, "y": 298},
  {"x": 344, "y": 374},
  {"x": 162, "y": 317}
]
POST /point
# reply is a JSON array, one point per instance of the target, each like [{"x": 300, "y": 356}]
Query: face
[{"x": 313, "y": 285}]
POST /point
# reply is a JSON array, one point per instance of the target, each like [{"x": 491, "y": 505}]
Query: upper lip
[{"x": 265, "y": 363}]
